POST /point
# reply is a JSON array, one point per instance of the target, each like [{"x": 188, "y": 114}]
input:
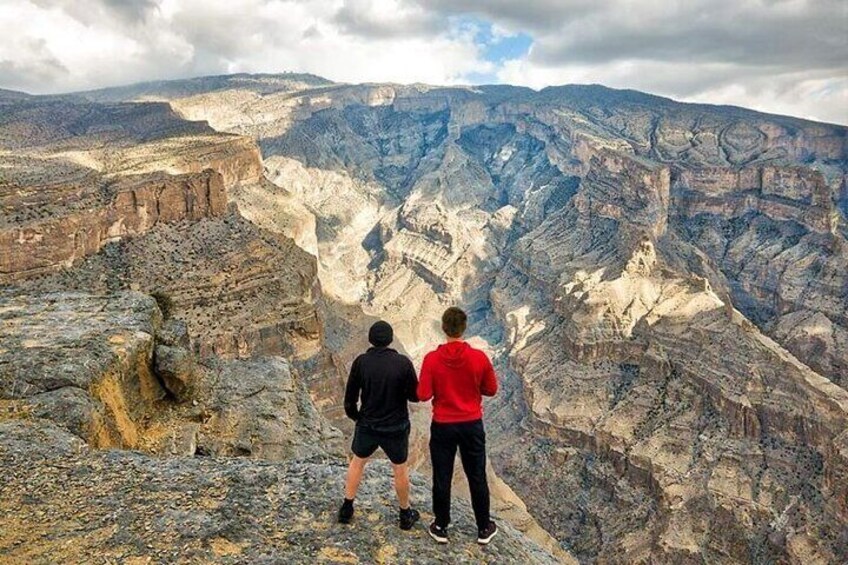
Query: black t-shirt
[{"x": 382, "y": 381}]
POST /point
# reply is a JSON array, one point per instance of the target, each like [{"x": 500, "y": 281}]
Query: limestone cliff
[
  {"x": 104, "y": 197},
  {"x": 663, "y": 286}
]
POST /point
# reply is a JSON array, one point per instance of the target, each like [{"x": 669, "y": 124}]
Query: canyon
[{"x": 663, "y": 288}]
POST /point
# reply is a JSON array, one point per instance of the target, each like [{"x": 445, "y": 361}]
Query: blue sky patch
[{"x": 496, "y": 46}]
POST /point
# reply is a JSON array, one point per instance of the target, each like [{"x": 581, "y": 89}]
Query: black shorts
[{"x": 394, "y": 444}]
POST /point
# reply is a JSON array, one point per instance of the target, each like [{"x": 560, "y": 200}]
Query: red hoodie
[{"x": 456, "y": 376}]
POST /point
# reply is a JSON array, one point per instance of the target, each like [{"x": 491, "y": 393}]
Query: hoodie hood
[{"x": 453, "y": 353}]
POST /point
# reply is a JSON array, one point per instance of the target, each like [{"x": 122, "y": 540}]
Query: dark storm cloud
[
  {"x": 779, "y": 33},
  {"x": 740, "y": 33},
  {"x": 131, "y": 10},
  {"x": 530, "y": 15},
  {"x": 361, "y": 17}
]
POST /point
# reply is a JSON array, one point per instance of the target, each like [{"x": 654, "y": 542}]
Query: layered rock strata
[
  {"x": 662, "y": 286},
  {"x": 82, "y": 375},
  {"x": 132, "y": 208},
  {"x": 625, "y": 258}
]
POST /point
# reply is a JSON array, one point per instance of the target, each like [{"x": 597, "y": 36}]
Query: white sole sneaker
[
  {"x": 487, "y": 539},
  {"x": 437, "y": 537}
]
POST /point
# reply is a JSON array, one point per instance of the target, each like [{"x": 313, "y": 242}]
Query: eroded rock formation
[{"x": 663, "y": 285}]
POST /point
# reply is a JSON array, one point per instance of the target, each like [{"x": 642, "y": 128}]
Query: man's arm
[
  {"x": 425, "y": 383},
  {"x": 411, "y": 382},
  {"x": 354, "y": 384},
  {"x": 489, "y": 384}
]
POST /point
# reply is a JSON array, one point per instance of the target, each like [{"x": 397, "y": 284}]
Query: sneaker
[
  {"x": 438, "y": 534},
  {"x": 485, "y": 535},
  {"x": 408, "y": 518},
  {"x": 345, "y": 513}
]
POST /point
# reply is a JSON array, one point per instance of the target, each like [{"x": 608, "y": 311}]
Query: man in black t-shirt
[{"x": 380, "y": 384}]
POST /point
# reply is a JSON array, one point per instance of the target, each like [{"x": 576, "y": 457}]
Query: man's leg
[
  {"x": 401, "y": 473},
  {"x": 363, "y": 447},
  {"x": 396, "y": 447},
  {"x": 354, "y": 476},
  {"x": 442, "y": 455},
  {"x": 472, "y": 452},
  {"x": 408, "y": 516}
]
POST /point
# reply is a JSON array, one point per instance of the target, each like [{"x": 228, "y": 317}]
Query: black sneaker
[
  {"x": 485, "y": 535},
  {"x": 345, "y": 513},
  {"x": 408, "y": 518},
  {"x": 438, "y": 534}
]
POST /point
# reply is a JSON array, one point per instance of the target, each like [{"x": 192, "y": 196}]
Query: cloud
[
  {"x": 38, "y": 65},
  {"x": 536, "y": 16},
  {"x": 91, "y": 11},
  {"x": 786, "y": 34},
  {"x": 781, "y": 56},
  {"x": 388, "y": 19},
  {"x": 788, "y": 56},
  {"x": 110, "y": 42}
]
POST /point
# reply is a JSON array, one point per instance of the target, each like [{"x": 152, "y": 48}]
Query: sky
[{"x": 780, "y": 56}]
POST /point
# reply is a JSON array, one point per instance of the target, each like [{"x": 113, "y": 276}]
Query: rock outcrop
[
  {"x": 114, "y": 196},
  {"x": 94, "y": 365},
  {"x": 241, "y": 290},
  {"x": 63, "y": 502},
  {"x": 663, "y": 286},
  {"x": 244, "y": 468}
]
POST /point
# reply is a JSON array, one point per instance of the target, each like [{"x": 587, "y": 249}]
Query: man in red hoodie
[{"x": 456, "y": 376}]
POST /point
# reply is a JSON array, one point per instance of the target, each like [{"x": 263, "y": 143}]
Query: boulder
[{"x": 177, "y": 370}]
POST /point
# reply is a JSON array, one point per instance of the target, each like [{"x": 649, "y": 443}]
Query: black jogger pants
[{"x": 470, "y": 438}]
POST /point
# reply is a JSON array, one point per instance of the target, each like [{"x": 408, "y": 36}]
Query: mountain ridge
[
  {"x": 657, "y": 287},
  {"x": 597, "y": 88}
]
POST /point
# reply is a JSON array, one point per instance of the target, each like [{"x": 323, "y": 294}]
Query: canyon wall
[
  {"x": 662, "y": 286},
  {"x": 223, "y": 383},
  {"x": 107, "y": 197}
]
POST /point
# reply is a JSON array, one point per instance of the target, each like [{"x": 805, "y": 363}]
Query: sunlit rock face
[
  {"x": 103, "y": 197},
  {"x": 663, "y": 287}
]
